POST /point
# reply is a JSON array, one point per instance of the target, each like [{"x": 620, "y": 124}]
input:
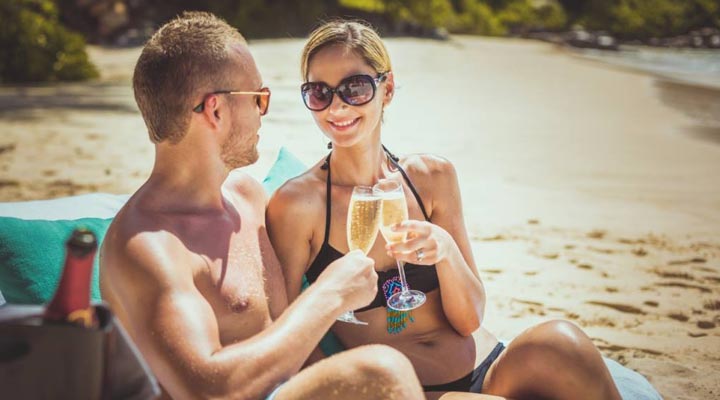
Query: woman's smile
[{"x": 344, "y": 125}]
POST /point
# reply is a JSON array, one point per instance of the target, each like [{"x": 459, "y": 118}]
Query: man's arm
[{"x": 175, "y": 328}]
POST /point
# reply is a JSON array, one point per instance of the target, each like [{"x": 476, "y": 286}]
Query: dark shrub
[{"x": 35, "y": 47}]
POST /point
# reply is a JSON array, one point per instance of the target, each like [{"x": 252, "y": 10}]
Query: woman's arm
[
  {"x": 290, "y": 229},
  {"x": 445, "y": 243},
  {"x": 289, "y": 226}
]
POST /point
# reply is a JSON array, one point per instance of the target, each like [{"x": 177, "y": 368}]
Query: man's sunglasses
[
  {"x": 262, "y": 98},
  {"x": 355, "y": 90}
]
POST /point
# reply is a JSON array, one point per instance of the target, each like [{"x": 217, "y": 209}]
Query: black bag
[{"x": 54, "y": 361}]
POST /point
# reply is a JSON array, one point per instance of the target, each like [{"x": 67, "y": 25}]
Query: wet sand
[{"x": 593, "y": 188}]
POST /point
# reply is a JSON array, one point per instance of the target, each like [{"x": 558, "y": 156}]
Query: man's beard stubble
[{"x": 236, "y": 152}]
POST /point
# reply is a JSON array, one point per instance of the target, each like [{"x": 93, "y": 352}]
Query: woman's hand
[{"x": 426, "y": 243}]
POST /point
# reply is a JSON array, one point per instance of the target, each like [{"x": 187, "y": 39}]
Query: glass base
[
  {"x": 407, "y": 301},
  {"x": 349, "y": 317}
]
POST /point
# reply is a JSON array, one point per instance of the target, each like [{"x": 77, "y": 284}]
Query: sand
[{"x": 591, "y": 193}]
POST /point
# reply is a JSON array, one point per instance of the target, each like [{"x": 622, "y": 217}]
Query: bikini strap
[
  {"x": 394, "y": 159},
  {"x": 326, "y": 166}
]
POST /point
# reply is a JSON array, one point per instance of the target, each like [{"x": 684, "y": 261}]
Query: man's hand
[{"x": 351, "y": 277}]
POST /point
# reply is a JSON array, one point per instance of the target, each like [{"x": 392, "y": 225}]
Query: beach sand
[{"x": 591, "y": 193}]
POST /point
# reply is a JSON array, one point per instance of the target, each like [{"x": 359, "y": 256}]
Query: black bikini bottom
[{"x": 472, "y": 382}]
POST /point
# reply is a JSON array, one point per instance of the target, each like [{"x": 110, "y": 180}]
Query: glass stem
[{"x": 403, "y": 283}]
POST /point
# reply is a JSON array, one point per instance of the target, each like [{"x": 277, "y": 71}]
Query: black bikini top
[{"x": 420, "y": 277}]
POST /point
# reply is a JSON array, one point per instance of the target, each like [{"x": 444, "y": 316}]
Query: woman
[{"x": 348, "y": 83}]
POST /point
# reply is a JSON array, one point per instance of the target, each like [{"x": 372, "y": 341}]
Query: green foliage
[
  {"x": 425, "y": 13},
  {"x": 35, "y": 47},
  {"x": 377, "y": 6},
  {"x": 631, "y": 18},
  {"x": 646, "y": 18},
  {"x": 477, "y": 18},
  {"x": 272, "y": 18},
  {"x": 624, "y": 18},
  {"x": 523, "y": 15}
]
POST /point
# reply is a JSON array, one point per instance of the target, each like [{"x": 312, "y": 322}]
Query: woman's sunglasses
[
  {"x": 262, "y": 98},
  {"x": 355, "y": 90}
]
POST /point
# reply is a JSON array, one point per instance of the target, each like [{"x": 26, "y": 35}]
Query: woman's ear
[{"x": 389, "y": 88}]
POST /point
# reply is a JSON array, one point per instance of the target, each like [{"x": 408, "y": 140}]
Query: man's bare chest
[{"x": 235, "y": 286}]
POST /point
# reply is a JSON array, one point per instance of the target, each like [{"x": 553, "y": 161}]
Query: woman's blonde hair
[{"x": 354, "y": 35}]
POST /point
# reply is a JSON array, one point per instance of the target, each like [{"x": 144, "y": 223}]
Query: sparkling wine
[
  {"x": 363, "y": 222},
  {"x": 394, "y": 211},
  {"x": 71, "y": 302}
]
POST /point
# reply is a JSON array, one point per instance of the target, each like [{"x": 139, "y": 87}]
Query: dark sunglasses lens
[
  {"x": 357, "y": 90},
  {"x": 317, "y": 96}
]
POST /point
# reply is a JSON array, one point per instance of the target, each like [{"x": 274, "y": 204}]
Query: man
[{"x": 187, "y": 265}]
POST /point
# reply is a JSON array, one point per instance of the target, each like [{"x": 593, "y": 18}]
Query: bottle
[{"x": 71, "y": 302}]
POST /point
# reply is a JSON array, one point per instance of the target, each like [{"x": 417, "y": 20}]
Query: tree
[{"x": 35, "y": 47}]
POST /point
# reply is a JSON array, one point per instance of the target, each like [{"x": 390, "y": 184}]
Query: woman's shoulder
[
  {"x": 427, "y": 167},
  {"x": 299, "y": 194}
]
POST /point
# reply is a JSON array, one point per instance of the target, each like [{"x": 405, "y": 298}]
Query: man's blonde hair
[
  {"x": 355, "y": 36},
  {"x": 185, "y": 59}
]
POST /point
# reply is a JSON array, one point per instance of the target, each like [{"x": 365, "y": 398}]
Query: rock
[{"x": 591, "y": 40}]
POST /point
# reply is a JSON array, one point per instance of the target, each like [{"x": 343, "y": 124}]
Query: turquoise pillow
[
  {"x": 286, "y": 167},
  {"x": 32, "y": 253}
]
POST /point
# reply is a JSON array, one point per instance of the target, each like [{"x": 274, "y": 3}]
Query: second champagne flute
[
  {"x": 363, "y": 222},
  {"x": 394, "y": 211}
]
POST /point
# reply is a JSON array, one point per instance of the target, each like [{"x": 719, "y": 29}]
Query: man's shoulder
[
  {"x": 139, "y": 242},
  {"x": 248, "y": 188}
]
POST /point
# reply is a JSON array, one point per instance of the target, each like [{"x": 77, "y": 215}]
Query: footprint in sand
[
  {"x": 572, "y": 315},
  {"x": 618, "y": 307},
  {"x": 492, "y": 271},
  {"x": 632, "y": 241},
  {"x": 712, "y": 305},
  {"x": 6, "y": 148},
  {"x": 585, "y": 266},
  {"x": 696, "y": 260},
  {"x": 684, "y": 286},
  {"x": 606, "y": 346},
  {"x": 530, "y": 273},
  {"x": 495, "y": 238},
  {"x": 673, "y": 275},
  {"x": 601, "y": 250},
  {"x": 705, "y": 324},
  {"x": 533, "y": 307},
  {"x": 651, "y": 303},
  {"x": 596, "y": 234},
  {"x": 640, "y": 252},
  {"x": 679, "y": 317},
  {"x": 9, "y": 183}
]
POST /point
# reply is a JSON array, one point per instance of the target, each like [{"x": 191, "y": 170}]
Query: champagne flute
[
  {"x": 363, "y": 222},
  {"x": 394, "y": 211}
]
